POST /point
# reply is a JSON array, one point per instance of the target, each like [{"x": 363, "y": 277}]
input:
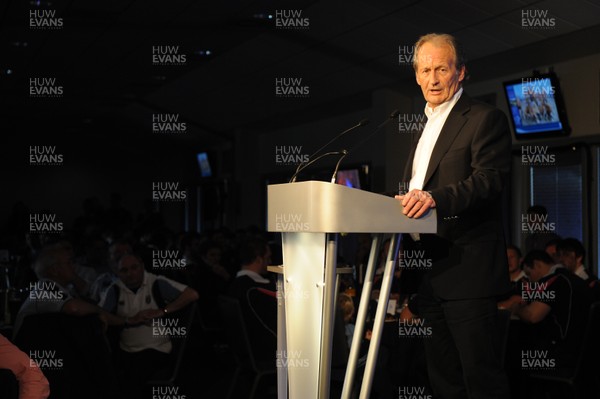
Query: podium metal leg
[
  {"x": 304, "y": 256},
  {"x": 384, "y": 294},
  {"x": 282, "y": 378},
  {"x": 361, "y": 317},
  {"x": 328, "y": 316}
]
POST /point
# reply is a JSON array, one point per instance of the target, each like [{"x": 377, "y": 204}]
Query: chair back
[
  {"x": 79, "y": 363},
  {"x": 185, "y": 318},
  {"x": 237, "y": 334}
]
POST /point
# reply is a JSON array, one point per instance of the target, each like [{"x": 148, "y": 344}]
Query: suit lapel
[{"x": 454, "y": 123}]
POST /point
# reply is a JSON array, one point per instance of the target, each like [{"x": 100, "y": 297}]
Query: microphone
[
  {"x": 337, "y": 165},
  {"x": 393, "y": 115},
  {"x": 301, "y": 166},
  {"x": 306, "y": 165}
]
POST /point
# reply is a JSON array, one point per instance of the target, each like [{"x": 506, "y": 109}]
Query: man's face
[
  {"x": 513, "y": 260},
  {"x": 131, "y": 271},
  {"x": 569, "y": 260},
  {"x": 437, "y": 74}
]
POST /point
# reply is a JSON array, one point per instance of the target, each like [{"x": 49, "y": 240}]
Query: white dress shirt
[{"x": 436, "y": 117}]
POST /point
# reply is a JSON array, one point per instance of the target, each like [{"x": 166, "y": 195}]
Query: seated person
[
  {"x": 204, "y": 272},
  {"x": 32, "y": 382},
  {"x": 140, "y": 298},
  {"x": 517, "y": 277},
  {"x": 256, "y": 295},
  {"x": 115, "y": 251},
  {"x": 555, "y": 304},
  {"x": 55, "y": 271},
  {"x": 516, "y": 273},
  {"x": 346, "y": 304},
  {"x": 84, "y": 275},
  {"x": 572, "y": 255}
]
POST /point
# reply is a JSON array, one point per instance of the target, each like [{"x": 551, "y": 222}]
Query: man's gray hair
[{"x": 438, "y": 39}]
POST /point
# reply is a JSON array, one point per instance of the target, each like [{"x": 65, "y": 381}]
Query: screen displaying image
[
  {"x": 533, "y": 106},
  {"x": 349, "y": 178}
]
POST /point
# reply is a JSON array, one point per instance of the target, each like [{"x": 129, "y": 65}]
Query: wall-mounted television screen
[
  {"x": 349, "y": 178},
  {"x": 536, "y": 107},
  {"x": 204, "y": 165}
]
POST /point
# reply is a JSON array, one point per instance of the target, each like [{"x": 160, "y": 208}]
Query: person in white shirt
[
  {"x": 142, "y": 299},
  {"x": 515, "y": 258}
]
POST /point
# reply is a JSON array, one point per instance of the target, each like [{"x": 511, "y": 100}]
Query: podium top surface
[{"x": 316, "y": 206}]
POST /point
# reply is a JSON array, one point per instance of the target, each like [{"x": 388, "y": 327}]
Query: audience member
[
  {"x": 256, "y": 294},
  {"x": 140, "y": 298},
  {"x": 572, "y": 255},
  {"x": 115, "y": 251},
  {"x": 203, "y": 272},
  {"x": 515, "y": 258},
  {"x": 517, "y": 277},
  {"x": 551, "y": 250},
  {"x": 346, "y": 304},
  {"x": 84, "y": 275},
  {"x": 55, "y": 271},
  {"x": 556, "y": 304}
]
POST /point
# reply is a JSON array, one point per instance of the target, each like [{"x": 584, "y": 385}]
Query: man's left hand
[{"x": 416, "y": 203}]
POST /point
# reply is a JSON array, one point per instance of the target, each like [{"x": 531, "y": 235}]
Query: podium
[{"x": 309, "y": 215}]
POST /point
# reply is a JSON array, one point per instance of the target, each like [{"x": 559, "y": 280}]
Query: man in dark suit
[
  {"x": 257, "y": 296},
  {"x": 459, "y": 166}
]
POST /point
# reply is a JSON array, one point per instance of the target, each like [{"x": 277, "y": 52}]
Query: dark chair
[
  {"x": 170, "y": 372},
  {"x": 574, "y": 379},
  {"x": 9, "y": 386},
  {"x": 81, "y": 359},
  {"x": 235, "y": 329}
]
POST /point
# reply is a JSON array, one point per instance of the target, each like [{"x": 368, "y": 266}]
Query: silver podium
[{"x": 309, "y": 215}]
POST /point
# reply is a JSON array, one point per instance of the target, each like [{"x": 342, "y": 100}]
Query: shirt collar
[
  {"x": 444, "y": 107},
  {"x": 554, "y": 268},
  {"x": 519, "y": 276},
  {"x": 580, "y": 272},
  {"x": 253, "y": 275}
]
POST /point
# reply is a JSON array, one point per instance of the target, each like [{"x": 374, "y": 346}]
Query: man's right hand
[{"x": 416, "y": 203}]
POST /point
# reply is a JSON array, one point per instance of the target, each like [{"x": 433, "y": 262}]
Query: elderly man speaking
[{"x": 460, "y": 166}]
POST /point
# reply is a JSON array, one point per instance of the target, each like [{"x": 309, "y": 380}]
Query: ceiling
[{"x": 103, "y": 56}]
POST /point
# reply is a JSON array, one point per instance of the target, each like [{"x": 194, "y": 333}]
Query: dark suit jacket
[{"x": 467, "y": 174}]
